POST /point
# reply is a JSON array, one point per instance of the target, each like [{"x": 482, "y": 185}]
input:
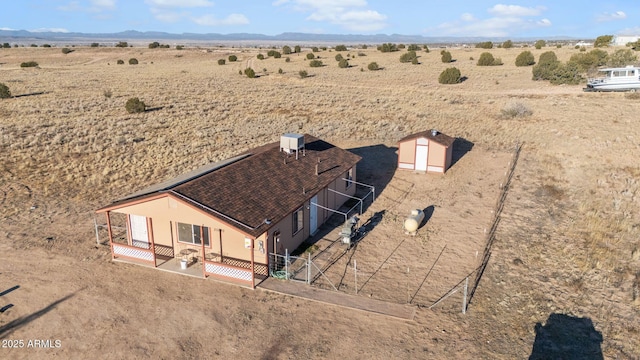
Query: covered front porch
[{"x": 186, "y": 259}]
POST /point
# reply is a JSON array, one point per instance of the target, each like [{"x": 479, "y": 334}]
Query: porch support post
[
  {"x": 220, "y": 237},
  {"x": 253, "y": 270},
  {"x": 204, "y": 267},
  {"x": 153, "y": 245},
  {"x": 107, "y": 214}
]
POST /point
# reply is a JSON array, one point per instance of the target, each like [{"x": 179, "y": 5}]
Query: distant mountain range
[{"x": 132, "y": 35}]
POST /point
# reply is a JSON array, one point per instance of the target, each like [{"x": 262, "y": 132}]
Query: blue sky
[{"x": 582, "y": 19}]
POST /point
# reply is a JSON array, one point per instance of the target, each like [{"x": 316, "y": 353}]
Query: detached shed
[{"x": 428, "y": 151}]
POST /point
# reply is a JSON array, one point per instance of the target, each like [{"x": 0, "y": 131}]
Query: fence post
[
  {"x": 309, "y": 270},
  {"x": 95, "y": 225},
  {"x": 464, "y": 297},
  {"x": 355, "y": 273},
  {"x": 286, "y": 263}
]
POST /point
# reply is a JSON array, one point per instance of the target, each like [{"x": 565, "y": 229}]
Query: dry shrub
[
  {"x": 4, "y": 91},
  {"x": 134, "y": 105},
  {"x": 514, "y": 110},
  {"x": 632, "y": 95}
]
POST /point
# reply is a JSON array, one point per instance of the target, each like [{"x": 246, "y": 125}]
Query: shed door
[
  {"x": 421, "y": 157},
  {"x": 139, "y": 230},
  {"x": 313, "y": 216}
]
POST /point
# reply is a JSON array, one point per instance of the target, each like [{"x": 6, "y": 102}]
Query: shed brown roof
[
  {"x": 440, "y": 138},
  {"x": 267, "y": 184}
]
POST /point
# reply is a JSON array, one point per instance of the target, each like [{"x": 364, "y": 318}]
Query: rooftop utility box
[{"x": 291, "y": 142}]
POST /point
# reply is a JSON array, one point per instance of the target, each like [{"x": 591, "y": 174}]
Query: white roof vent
[
  {"x": 434, "y": 132},
  {"x": 292, "y": 142}
]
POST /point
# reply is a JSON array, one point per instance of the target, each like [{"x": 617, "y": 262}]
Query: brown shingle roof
[
  {"x": 440, "y": 138},
  {"x": 268, "y": 184}
]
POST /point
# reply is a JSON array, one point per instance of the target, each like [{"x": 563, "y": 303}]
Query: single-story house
[
  {"x": 428, "y": 151},
  {"x": 229, "y": 217}
]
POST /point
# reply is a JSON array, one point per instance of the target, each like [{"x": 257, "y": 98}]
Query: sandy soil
[{"x": 565, "y": 266}]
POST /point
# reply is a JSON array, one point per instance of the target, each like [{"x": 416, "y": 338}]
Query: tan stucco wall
[
  {"x": 166, "y": 212},
  {"x": 407, "y": 151},
  {"x": 437, "y": 154}
]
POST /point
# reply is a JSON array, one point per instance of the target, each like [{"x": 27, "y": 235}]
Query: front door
[
  {"x": 139, "y": 232},
  {"x": 421, "y": 157},
  {"x": 313, "y": 216}
]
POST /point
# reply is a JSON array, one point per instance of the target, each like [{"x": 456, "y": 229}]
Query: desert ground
[{"x": 563, "y": 275}]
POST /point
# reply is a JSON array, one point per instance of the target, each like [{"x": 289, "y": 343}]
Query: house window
[
  {"x": 190, "y": 234},
  {"x": 298, "y": 220},
  {"x": 349, "y": 179}
]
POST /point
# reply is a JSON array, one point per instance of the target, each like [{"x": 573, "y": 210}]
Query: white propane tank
[{"x": 413, "y": 221}]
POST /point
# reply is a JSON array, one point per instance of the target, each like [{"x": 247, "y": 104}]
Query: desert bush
[
  {"x": 388, "y": 47},
  {"x": 634, "y": 45},
  {"x": 362, "y": 54},
  {"x": 446, "y": 56},
  {"x": 297, "y": 49},
  {"x": 66, "y": 50},
  {"x": 221, "y": 61},
  {"x": 603, "y": 41},
  {"x": 134, "y": 105},
  {"x": 95, "y": 44},
  {"x": 413, "y": 47},
  {"x": 287, "y": 59},
  {"x": 408, "y": 56},
  {"x": 315, "y": 49},
  {"x": 29, "y": 64},
  {"x": 339, "y": 57},
  {"x": 507, "y": 44},
  {"x": 286, "y": 50},
  {"x": 323, "y": 48},
  {"x": 310, "y": 56},
  {"x": 514, "y": 110},
  {"x": 315, "y": 63},
  {"x": 373, "y": 66},
  {"x": 425, "y": 48},
  {"x": 484, "y": 45},
  {"x": 277, "y": 55},
  {"x": 632, "y": 95},
  {"x": 120, "y": 62},
  {"x": 622, "y": 57},
  {"x": 525, "y": 58},
  {"x": 415, "y": 61},
  {"x": 43, "y": 45},
  {"x": 33, "y": 45},
  {"x": 154, "y": 45},
  {"x": 558, "y": 46},
  {"x": 6, "y": 45},
  {"x": 232, "y": 58},
  {"x": 260, "y": 57},
  {"x": 547, "y": 63},
  {"x": 364, "y": 46},
  {"x": 122, "y": 44},
  {"x": 341, "y": 48},
  {"x": 343, "y": 64},
  {"x": 5, "y": 93},
  {"x": 303, "y": 74},
  {"x": 450, "y": 76},
  {"x": 401, "y": 46},
  {"x": 280, "y": 71},
  {"x": 583, "y": 49},
  {"x": 271, "y": 52},
  {"x": 107, "y": 93},
  {"x": 179, "y": 47},
  {"x": 566, "y": 74},
  {"x": 592, "y": 59},
  {"x": 133, "y": 61},
  {"x": 540, "y": 44},
  {"x": 486, "y": 59},
  {"x": 250, "y": 73}
]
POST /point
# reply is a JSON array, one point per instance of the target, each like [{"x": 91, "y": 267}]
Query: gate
[{"x": 295, "y": 268}]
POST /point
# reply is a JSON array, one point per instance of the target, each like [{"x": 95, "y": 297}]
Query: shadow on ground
[
  {"x": 567, "y": 337},
  {"x": 461, "y": 147}
]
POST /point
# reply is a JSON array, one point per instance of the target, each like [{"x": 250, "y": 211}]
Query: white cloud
[
  {"x": 349, "y": 14},
  {"x": 7, "y": 29},
  {"x": 634, "y": 31},
  {"x": 618, "y": 15},
  {"x": 56, "y": 30},
  {"x": 179, "y": 3},
  {"x": 109, "y": 4},
  {"x": 506, "y": 20},
  {"x": 232, "y": 19},
  {"x": 514, "y": 10}
]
